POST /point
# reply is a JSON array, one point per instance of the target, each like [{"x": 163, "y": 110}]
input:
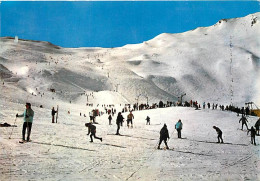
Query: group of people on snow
[
  {"x": 28, "y": 115},
  {"x": 253, "y": 131}
]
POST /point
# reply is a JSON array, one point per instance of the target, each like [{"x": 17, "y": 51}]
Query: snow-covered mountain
[{"x": 219, "y": 64}]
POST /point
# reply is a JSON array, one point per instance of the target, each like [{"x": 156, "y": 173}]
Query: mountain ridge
[{"x": 208, "y": 64}]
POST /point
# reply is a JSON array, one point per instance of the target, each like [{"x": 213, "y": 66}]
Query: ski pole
[
  {"x": 171, "y": 136},
  {"x": 12, "y": 128}
]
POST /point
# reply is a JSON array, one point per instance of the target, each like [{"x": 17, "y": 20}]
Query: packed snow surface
[{"x": 62, "y": 151}]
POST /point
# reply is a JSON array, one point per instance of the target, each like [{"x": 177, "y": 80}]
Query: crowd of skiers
[{"x": 164, "y": 135}]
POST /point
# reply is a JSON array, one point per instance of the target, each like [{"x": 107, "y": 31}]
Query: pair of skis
[{"x": 23, "y": 141}]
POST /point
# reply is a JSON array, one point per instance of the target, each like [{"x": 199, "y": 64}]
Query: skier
[
  {"x": 164, "y": 135},
  {"x": 247, "y": 111},
  {"x": 244, "y": 120},
  {"x": 160, "y": 104},
  {"x": 28, "y": 120},
  {"x": 91, "y": 116},
  {"x": 92, "y": 130},
  {"x": 219, "y": 134},
  {"x": 109, "y": 119},
  {"x": 130, "y": 118},
  {"x": 178, "y": 127},
  {"x": 257, "y": 124},
  {"x": 253, "y": 133},
  {"x": 53, "y": 112},
  {"x": 147, "y": 120},
  {"x": 119, "y": 121}
]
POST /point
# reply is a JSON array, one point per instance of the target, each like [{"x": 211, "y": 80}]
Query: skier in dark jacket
[
  {"x": 219, "y": 134},
  {"x": 178, "y": 127},
  {"x": 147, "y": 120},
  {"x": 119, "y": 121},
  {"x": 161, "y": 104},
  {"x": 53, "y": 112},
  {"x": 110, "y": 118},
  {"x": 257, "y": 125},
  {"x": 244, "y": 120},
  {"x": 253, "y": 133},
  {"x": 164, "y": 135},
  {"x": 92, "y": 130}
]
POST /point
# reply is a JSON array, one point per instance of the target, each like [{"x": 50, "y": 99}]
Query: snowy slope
[
  {"x": 63, "y": 152},
  {"x": 218, "y": 63},
  {"x": 196, "y": 62}
]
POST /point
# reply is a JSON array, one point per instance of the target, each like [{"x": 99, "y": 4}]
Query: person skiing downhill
[
  {"x": 219, "y": 134},
  {"x": 92, "y": 130},
  {"x": 28, "y": 120},
  {"x": 253, "y": 133},
  {"x": 164, "y": 135},
  {"x": 119, "y": 121},
  {"x": 244, "y": 120},
  {"x": 178, "y": 127}
]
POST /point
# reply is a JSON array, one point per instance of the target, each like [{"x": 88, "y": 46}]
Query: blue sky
[{"x": 112, "y": 24}]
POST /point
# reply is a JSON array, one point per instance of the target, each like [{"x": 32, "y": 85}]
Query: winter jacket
[
  {"x": 53, "y": 112},
  {"x": 91, "y": 129},
  {"x": 253, "y": 132},
  {"x": 130, "y": 116},
  {"x": 164, "y": 134},
  {"x": 218, "y": 131},
  {"x": 178, "y": 125},
  {"x": 27, "y": 115},
  {"x": 119, "y": 119},
  {"x": 110, "y": 117},
  {"x": 257, "y": 124},
  {"x": 243, "y": 119}
]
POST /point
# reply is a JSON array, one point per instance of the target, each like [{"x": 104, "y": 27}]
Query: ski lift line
[
  {"x": 231, "y": 75},
  {"x": 255, "y": 105}
]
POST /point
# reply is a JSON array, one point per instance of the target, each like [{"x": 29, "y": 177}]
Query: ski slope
[
  {"x": 62, "y": 151},
  {"x": 219, "y": 64},
  {"x": 216, "y": 64}
]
